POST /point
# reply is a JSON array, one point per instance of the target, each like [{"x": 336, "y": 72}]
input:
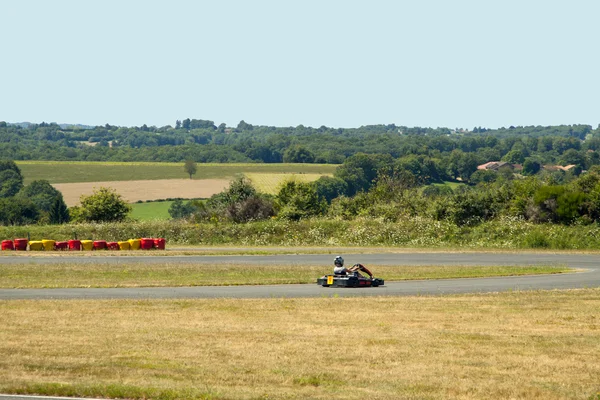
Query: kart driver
[{"x": 339, "y": 268}]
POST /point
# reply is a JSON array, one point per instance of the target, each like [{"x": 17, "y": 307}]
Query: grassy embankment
[
  {"x": 518, "y": 345},
  {"x": 132, "y": 274},
  {"x": 413, "y": 232}
]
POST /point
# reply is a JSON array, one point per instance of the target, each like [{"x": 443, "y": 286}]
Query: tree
[
  {"x": 461, "y": 165},
  {"x": 422, "y": 167},
  {"x": 179, "y": 209},
  {"x": 190, "y": 167},
  {"x": 239, "y": 203},
  {"x": 42, "y": 193},
  {"x": 531, "y": 167},
  {"x": 299, "y": 200},
  {"x": 251, "y": 209},
  {"x": 11, "y": 180},
  {"x": 558, "y": 204},
  {"x": 202, "y": 124},
  {"x": 483, "y": 176},
  {"x": 360, "y": 170},
  {"x": 514, "y": 157},
  {"x": 574, "y": 157},
  {"x": 59, "y": 213},
  {"x": 329, "y": 188},
  {"x": 103, "y": 205},
  {"x": 298, "y": 154},
  {"x": 17, "y": 211},
  {"x": 10, "y": 183},
  {"x": 244, "y": 126}
]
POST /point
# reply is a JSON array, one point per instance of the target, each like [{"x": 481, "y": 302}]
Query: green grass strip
[{"x": 103, "y": 275}]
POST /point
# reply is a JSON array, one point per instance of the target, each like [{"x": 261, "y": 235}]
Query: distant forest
[
  {"x": 203, "y": 141},
  {"x": 386, "y": 172}
]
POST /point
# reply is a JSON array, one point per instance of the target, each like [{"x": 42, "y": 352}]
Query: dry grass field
[
  {"x": 133, "y": 191},
  {"x": 518, "y": 345}
]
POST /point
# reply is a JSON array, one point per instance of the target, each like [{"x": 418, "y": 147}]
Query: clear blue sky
[{"x": 283, "y": 63}]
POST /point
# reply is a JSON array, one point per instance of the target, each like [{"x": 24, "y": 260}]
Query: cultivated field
[
  {"x": 133, "y": 191},
  {"x": 152, "y": 181},
  {"x": 271, "y": 183},
  {"x": 518, "y": 345},
  {"x": 71, "y": 172}
]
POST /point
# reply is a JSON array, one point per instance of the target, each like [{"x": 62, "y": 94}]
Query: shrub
[
  {"x": 252, "y": 209},
  {"x": 103, "y": 205},
  {"x": 299, "y": 200}
]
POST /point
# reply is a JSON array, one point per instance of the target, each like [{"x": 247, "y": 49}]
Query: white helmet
[{"x": 339, "y": 261}]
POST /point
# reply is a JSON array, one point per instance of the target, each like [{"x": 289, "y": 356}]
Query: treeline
[
  {"x": 379, "y": 187},
  {"x": 42, "y": 204},
  {"x": 37, "y": 203},
  {"x": 203, "y": 141},
  {"x": 372, "y": 186}
]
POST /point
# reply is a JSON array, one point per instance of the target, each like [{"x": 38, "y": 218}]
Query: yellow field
[{"x": 271, "y": 183}]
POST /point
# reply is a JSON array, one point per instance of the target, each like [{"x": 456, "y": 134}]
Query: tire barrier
[
  {"x": 83, "y": 245},
  {"x": 36, "y": 245},
  {"x": 21, "y": 244},
  {"x": 147, "y": 243},
  {"x": 61, "y": 246},
  {"x": 48, "y": 244},
  {"x": 159, "y": 243},
  {"x": 100, "y": 244},
  {"x": 135, "y": 244},
  {"x": 87, "y": 245}
]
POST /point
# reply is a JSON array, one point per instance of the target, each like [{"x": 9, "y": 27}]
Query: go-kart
[{"x": 355, "y": 280}]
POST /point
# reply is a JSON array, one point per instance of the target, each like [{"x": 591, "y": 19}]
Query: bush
[
  {"x": 299, "y": 200},
  {"x": 103, "y": 205},
  {"x": 180, "y": 210},
  {"x": 18, "y": 211},
  {"x": 252, "y": 209},
  {"x": 239, "y": 203}
]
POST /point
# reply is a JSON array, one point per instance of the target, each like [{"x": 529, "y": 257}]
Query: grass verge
[
  {"x": 518, "y": 345},
  {"x": 410, "y": 232},
  {"x": 133, "y": 274}
]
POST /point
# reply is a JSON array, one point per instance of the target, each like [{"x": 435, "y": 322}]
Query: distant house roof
[
  {"x": 494, "y": 165},
  {"x": 558, "y": 167},
  {"x": 567, "y": 167},
  {"x": 486, "y": 165}
]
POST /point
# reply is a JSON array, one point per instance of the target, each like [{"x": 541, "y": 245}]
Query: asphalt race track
[{"x": 588, "y": 277}]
